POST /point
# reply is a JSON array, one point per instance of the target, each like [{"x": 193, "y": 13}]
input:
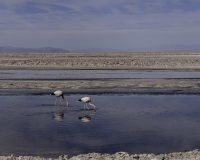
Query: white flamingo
[
  {"x": 59, "y": 93},
  {"x": 87, "y": 100}
]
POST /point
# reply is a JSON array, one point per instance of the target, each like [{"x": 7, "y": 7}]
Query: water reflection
[
  {"x": 87, "y": 116},
  {"x": 58, "y": 115}
]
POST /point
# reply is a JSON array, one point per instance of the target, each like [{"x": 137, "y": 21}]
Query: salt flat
[
  {"x": 104, "y": 61},
  {"x": 101, "y": 61}
]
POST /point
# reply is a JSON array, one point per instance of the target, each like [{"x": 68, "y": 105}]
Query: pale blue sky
[{"x": 116, "y": 24}]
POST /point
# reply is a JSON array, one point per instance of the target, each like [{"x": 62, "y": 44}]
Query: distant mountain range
[
  {"x": 156, "y": 48},
  {"x": 8, "y": 49},
  {"x": 97, "y": 50}
]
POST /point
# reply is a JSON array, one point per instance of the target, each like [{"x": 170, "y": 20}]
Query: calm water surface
[
  {"x": 95, "y": 74},
  {"x": 32, "y": 125}
]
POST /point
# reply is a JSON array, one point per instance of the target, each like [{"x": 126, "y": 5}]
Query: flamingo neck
[
  {"x": 93, "y": 106},
  {"x": 65, "y": 100}
]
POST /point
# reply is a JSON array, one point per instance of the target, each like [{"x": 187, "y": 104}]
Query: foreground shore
[{"x": 189, "y": 155}]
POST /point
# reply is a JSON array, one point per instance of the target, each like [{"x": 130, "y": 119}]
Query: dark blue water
[
  {"x": 32, "y": 125},
  {"x": 95, "y": 74}
]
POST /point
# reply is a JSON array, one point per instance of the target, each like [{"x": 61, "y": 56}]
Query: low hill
[{"x": 9, "y": 49}]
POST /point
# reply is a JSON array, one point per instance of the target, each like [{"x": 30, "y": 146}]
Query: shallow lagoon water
[
  {"x": 95, "y": 74},
  {"x": 32, "y": 125}
]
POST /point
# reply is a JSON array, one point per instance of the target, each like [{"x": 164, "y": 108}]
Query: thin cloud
[
  {"x": 93, "y": 19},
  {"x": 29, "y": 8}
]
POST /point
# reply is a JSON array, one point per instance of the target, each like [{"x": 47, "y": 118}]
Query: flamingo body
[
  {"x": 57, "y": 93},
  {"x": 87, "y": 100}
]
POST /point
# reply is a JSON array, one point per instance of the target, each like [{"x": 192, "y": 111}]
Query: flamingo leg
[
  {"x": 61, "y": 101},
  {"x": 87, "y": 106},
  {"x": 93, "y": 106},
  {"x": 67, "y": 103},
  {"x": 56, "y": 100}
]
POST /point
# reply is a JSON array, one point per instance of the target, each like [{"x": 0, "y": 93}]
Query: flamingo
[
  {"x": 59, "y": 93},
  {"x": 87, "y": 100}
]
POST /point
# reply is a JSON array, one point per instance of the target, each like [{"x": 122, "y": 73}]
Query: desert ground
[
  {"x": 123, "y": 61},
  {"x": 135, "y": 61},
  {"x": 101, "y": 61}
]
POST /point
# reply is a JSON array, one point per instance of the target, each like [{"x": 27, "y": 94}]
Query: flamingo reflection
[
  {"x": 87, "y": 117},
  {"x": 58, "y": 115}
]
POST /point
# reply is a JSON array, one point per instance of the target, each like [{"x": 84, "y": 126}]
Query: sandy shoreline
[
  {"x": 186, "y": 61},
  {"x": 135, "y": 86}
]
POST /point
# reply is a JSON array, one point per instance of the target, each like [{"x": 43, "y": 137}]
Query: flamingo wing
[
  {"x": 86, "y": 99},
  {"x": 58, "y": 93}
]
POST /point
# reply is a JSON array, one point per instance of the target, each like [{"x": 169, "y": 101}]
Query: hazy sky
[{"x": 116, "y": 24}]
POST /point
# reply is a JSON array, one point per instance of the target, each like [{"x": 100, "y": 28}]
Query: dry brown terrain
[{"x": 101, "y": 60}]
